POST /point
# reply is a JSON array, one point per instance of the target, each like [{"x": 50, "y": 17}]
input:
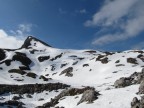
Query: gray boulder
[
  {"x": 122, "y": 82},
  {"x": 89, "y": 96},
  {"x": 141, "y": 88}
]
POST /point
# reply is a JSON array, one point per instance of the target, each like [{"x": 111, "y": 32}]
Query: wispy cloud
[
  {"x": 22, "y": 30},
  {"x": 16, "y": 37},
  {"x": 119, "y": 20},
  {"x": 82, "y": 11},
  {"x": 61, "y": 11}
]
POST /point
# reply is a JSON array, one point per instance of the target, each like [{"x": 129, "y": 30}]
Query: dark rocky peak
[{"x": 27, "y": 42}]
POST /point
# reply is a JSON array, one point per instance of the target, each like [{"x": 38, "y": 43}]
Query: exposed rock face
[
  {"x": 56, "y": 57},
  {"x": 141, "y": 88},
  {"x": 67, "y": 72},
  {"x": 22, "y": 58},
  {"x": 27, "y": 42},
  {"x": 137, "y": 103},
  {"x": 2, "y": 54},
  {"x": 13, "y": 103},
  {"x": 104, "y": 60},
  {"x": 135, "y": 78},
  {"x": 31, "y": 88},
  {"x": 43, "y": 58},
  {"x": 18, "y": 71},
  {"x": 31, "y": 74},
  {"x": 132, "y": 60}
]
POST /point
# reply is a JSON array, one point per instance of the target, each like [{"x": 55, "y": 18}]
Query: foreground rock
[
  {"x": 89, "y": 95},
  {"x": 135, "y": 78},
  {"x": 137, "y": 103}
]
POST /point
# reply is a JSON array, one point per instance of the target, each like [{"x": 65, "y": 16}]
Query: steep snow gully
[{"x": 39, "y": 76}]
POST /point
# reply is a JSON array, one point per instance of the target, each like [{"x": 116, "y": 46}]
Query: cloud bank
[
  {"x": 119, "y": 20},
  {"x": 17, "y": 37}
]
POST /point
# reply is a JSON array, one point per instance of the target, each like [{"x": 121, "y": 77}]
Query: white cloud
[
  {"x": 124, "y": 17},
  {"x": 22, "y": 30},
  {"x": 16, "y": 37},
  {"x": 10, "y": 42}
]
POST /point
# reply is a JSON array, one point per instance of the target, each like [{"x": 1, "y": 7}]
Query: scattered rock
[
  {"x": 104, "y": 60},
  {"x": 12, "y": 103},
  {"x": 85, "y": 65},
  {"x": 24, "y": 67},
  {"x": 41, "y": 99},
  {"x": 29, "y": 96},
  {"x": 43, "y": 58},
  {"x": 18, "y": 71},
  {"x": 31, "y": 74},
  {"x": 62, "y": 65},
  {"x": 53, "y": 67},
  {"x": 17, "y": 98},
  {"x": 75, "y": 63},
  {"x": 91, "y": 51},
  {"x": 44, "y": 78},
  {"x": 56, "y": 57},
  {"x": 117, "y": 61},
  {"x": 99, "y": 57},
  {"x": 120, "y": 65}
]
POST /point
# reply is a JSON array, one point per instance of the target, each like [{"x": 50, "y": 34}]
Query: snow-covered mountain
[{"x": 40, "y": 76}]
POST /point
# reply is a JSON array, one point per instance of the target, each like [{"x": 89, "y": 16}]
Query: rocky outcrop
[
  {"x": 122, "y": 82},
  {"x": 11, "y": 104},
  {"x": 2, "y": 54},
  {"x": 89, "y": 94},
  {"x": 31, "y": 88},
  {"x": 31, "y": 74},
  {"x": 56, "y": 57},
  {"x": 137, "y": 103},
  {"x": 18, "y": 71},
  {"x": 141, "y": 88},
  {"x": 22, "y": 58},
  {"x": 132, "y": 60},
  {"x": 135, "y": 78},
  {"x": 67, "y": 72}
]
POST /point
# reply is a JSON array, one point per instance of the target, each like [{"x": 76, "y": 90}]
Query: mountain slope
[{"x": 75, "y": 77}]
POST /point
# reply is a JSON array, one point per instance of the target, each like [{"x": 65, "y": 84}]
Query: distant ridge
[{"x": 27, "y": 42}]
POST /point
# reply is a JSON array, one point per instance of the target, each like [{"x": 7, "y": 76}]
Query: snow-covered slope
[{"x": 73, "y": 75}]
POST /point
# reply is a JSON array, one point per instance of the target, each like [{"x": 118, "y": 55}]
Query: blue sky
[{"x": 75, "y": 24}]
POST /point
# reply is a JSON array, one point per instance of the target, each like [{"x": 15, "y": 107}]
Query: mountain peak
[{"x": 29, "y": 39}]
